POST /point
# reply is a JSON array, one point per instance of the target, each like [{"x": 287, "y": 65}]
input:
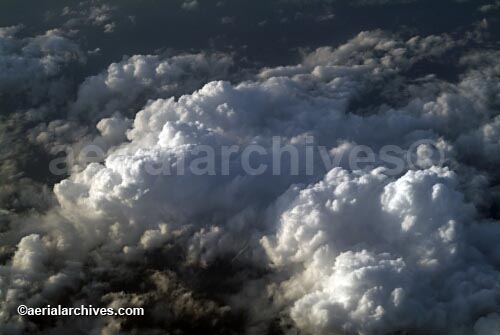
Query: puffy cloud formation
[
  {"x": 344, "y": 250},
  {"x": 490, "y": 7},
  {"x": 382, "y": 255},
  {"x": 488, "y": 325},
  {"x": 103, "y": 100},
  {"x": 190, "y": 5},
  {"x": 34, "y": 84},
  {"x": 90, "y": 13},
  {"x": 126, "y": 85},
  {"x": 31, "y": 65}
]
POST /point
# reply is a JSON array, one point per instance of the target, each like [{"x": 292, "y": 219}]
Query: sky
[{"x": 279, "y": 167}]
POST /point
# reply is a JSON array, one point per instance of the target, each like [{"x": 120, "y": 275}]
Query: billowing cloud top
[{"x": 393, "y": 246}]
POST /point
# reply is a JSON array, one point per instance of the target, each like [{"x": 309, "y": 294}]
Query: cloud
[
  {"x": 31, "y": 66},
  {"x": 127, "y": 84},
  {"x": 90, "y": 13},
  {"x": 489, "y": 7},
  {"x": 488, "y": 325},
  {"x": 34, "y": 85},
  {"x": 338, "y": 251},
  {"x": 190, "y": 5},
  {"x": 377, "y": 254}
]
